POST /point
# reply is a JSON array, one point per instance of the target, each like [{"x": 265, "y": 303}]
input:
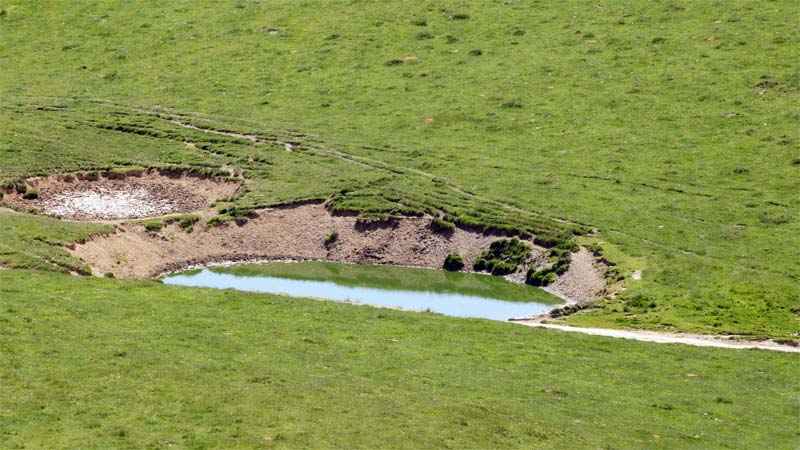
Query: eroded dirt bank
[
  {"x": 115, "y": 196},
  {"x": 299, "y": 232}
]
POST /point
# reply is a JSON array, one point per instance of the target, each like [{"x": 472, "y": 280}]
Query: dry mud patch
[{"x": 111, "y": 196}]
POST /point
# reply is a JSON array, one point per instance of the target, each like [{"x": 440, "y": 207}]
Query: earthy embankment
[{"x": 299, "y": 232}]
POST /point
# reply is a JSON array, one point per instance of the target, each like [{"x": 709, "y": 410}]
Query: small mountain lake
[{"x": 450, "y": 293}]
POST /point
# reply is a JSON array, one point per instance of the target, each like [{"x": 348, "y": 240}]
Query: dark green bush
[
  {"x": 31, "y": 195},
  {"x": 502, "y": 268},
  {"x": 476, "y": 52},
  {"x": 453, "y": 262},
  {"x": 460, "y": 16},
  {"x": 540, "y": 277}
]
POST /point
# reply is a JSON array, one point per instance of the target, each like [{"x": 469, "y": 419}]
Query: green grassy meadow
[
  {"x": 118, "y": 364},
  {"x": 667, "y": 133},
  {"x": 671, "y": 129}
]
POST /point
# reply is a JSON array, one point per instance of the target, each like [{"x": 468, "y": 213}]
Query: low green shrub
[
  {"x": 502, "y": 268},
  {"x": 331, "y": 239},
  {"x": 453, "y": 262},
  {"x": 31, "y": 195},
  {"x": 153, "y": 225},
  {"x": 219, "y": 220},
  {"x": 187, "y": 222},
  {"x": 502, "y": 257},
  {"x": 442, "y": 226},
  {"x": 541, "y": 277}
]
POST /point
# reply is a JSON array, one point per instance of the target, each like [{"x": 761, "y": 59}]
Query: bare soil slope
[
  {"x": 299, "y": 232},
  {"x": 114, "y": 196}
]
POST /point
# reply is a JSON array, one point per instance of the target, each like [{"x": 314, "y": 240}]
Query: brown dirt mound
[{"x": 115, "y": 196}]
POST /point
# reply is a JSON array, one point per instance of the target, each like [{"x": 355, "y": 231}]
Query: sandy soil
[{"x": 115, "y": 197}]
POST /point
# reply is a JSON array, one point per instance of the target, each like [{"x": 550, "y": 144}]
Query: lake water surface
[{"x": 452, "y": 294}]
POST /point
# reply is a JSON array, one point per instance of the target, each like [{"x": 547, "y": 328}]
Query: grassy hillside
[
  {"x": 114, "y": 364},
  {"x": 670, "y": 128}
]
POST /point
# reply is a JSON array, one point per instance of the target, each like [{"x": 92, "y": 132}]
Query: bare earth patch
[
  {"x": 582, "y": 282},
  {"x": 296, "y": 233},
  {"x": 117, "y": 197}
]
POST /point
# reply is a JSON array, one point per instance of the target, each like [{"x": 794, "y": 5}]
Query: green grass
[
  {"x": 671, "y": 129},
  {"x": 96, "y": 363},
  {"x": 185, "y": 221},
  {"x": 32, "y": 242}
]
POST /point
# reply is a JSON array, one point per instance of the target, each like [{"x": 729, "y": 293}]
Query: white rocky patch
[{"x": 105, "y": 203}]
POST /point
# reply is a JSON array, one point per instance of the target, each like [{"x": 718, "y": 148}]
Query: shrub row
[{"x": 503, "y": 256}]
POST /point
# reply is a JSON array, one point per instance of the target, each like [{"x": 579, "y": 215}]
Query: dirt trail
[{"x": 660, "y": 337}]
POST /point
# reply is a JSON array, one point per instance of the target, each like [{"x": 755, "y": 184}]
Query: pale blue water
[{"x": 447, "y": 303}]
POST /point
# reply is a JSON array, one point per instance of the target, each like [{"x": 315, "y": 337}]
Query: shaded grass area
[
  {"x": 209, "y": 368},
  {"x": 396, "y": 278},
  {"x": 672, "y": 129}
]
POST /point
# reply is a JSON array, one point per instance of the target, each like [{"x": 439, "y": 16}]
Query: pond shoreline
[
  {"x": 454, "y": 294},
  {"x": 299, "y": 233}
]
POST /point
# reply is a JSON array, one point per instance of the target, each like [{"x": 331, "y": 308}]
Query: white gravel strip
[{"x": 668, "y": 338}]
